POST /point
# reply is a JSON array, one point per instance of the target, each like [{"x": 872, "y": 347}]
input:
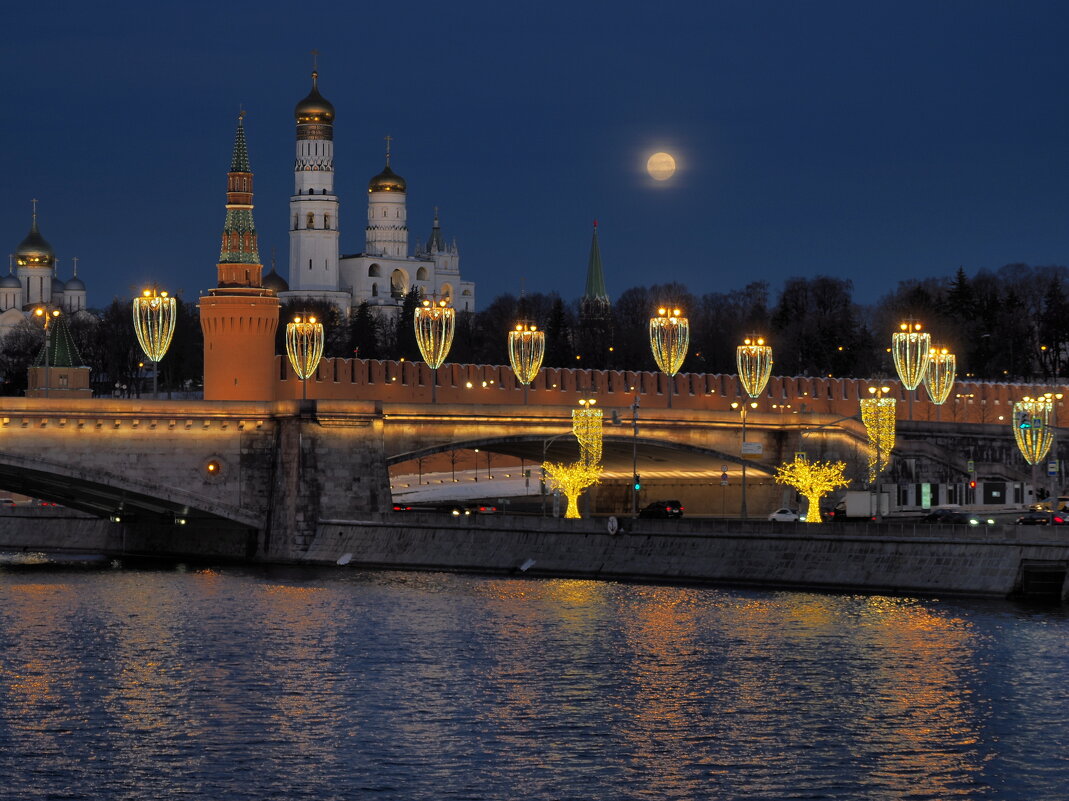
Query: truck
[{"x": 860, "y": 505}]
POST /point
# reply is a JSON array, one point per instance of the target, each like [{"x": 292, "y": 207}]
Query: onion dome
[
  {"x": 9, "y": 281},
  {"x": 315, "y": 108},
  {"x": 74, "y": 284},
  {"x": 57, "y": 286},
  {"x": 275, "y": 282},
  {"x": 387, "y": 181},
  {"x": 34, "y": 250}
]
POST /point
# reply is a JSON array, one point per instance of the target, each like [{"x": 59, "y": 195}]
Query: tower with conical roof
[
  {"x": 313, "y": 267},
  {"x": 595, "y": 312},
  {"x": 239, "y": 316},
  {"x": 58, "y": 371},
  {"x": 387, "y": 215}
]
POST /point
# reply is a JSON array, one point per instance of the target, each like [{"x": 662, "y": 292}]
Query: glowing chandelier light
[
  {"x": 878, "y": 416},
  {"x": 304, "y": 347},
  {"x": 434, "y": 324},
  {"x": 155, "y": 314},
  {"x": 813, "y": 480},
  {"x": 911, "y": 350},
  {"x": 1031, "y": 428},
  {"x": 669, "y": 340},
  {"x": 940, "y": 375},
  {"x": 587, "y": 425},
  {"x": 754, "y": 360},
  {"x": 527, "y": 346}
]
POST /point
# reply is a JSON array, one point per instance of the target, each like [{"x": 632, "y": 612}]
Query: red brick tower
[{"x": 239, "y": 317}]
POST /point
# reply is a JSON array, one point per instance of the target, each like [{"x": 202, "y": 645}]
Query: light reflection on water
[{"x": 238, "y": 684}]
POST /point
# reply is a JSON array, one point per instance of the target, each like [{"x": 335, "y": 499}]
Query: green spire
[
  {"x": 595, "y": 278},
  {"x": 240, "y": 161},
  {"x": 61, "y": 350}
]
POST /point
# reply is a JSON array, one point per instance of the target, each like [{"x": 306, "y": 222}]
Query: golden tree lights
[
  {"x": 527, "y": 346},
  {"x": 911, "y": 349},
  {"x": 155, "y": 314},
  {"x": 940, "y": 375},
  {"x": 572, "y": 479},
  {"x": 304, "y": 347},
  {"x": 754, "y": 360},
  {"x": 434, "y": 324},
  {"x": 878, "y": 416},
  {"x": 1031, "y": 428},
  {"x": 813, "y": 480}
]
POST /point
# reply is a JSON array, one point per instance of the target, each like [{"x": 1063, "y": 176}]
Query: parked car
[
  {"x": 1042, "y": 519},
  {"x": 662, "y": 509},
  {"x": 786, "y": 515},
  {"x": 950, "y": 516}
]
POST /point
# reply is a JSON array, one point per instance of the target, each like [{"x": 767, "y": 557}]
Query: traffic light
[
  {"x": 638, "y": 482},
  {"x": 1025, "y": 421},
  {"x": 972, "y": 485}
]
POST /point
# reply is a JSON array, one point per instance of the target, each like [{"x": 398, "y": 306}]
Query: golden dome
[
  {"x": 315, "y": 108},
  {"x": 34, "y": 250},
  {"x": 387, "y": 181}
]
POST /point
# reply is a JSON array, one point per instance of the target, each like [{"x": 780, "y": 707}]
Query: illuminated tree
[
  {"x": 572, "y": 479},
  {"x": 813, "y": 480}
]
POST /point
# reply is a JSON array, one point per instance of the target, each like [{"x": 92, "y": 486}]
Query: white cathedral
[
  {"x": 385, "y": 272},
  {"x": 32, "y": 281}
]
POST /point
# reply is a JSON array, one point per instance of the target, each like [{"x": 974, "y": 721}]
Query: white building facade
[{"x": 384, "y": 272}]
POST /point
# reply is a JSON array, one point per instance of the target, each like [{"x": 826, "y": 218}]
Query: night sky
[{"x": 869, "y": 141}]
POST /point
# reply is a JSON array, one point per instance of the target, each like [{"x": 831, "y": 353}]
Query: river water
[{"x": 231, "y": 683}]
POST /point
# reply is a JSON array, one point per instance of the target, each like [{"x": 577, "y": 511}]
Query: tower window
[
  {"x": 311, "y": 221},
  {"x": 309, "y": 264},
  {"x": 326, "y": 221},
  {"x": 295, "y": 222}
]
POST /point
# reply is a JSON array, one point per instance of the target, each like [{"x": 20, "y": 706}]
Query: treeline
[{"x": 1011, "y": 324}]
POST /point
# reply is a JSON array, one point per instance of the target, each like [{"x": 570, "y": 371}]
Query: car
[
  {"x": 786, "y": 515},
  {"x": 662, "y": 509},
  {"x": 1042, "y": 519},
  {"x": 7, "y": 501},
  {"x": 956, "y": 516}
]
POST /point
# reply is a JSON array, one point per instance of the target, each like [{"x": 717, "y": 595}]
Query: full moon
[{"x": 661, "y": 166}]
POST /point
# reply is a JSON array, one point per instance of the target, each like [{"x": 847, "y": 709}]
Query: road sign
[
  {"x": 1052, "y": 467},
  {"x": 723, "y": 479},
  {"x": 970, "y": 466},
  {"x": 752, "y": 449},
  {"x": 801, "y": 456}
]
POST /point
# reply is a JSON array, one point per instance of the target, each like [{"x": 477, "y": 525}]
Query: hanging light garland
[
  {"x": 754, "y": 360},
  {"x": 940, "y": 375},
  {"x": 587, "y": 425},
  {"x": 669, "y": 339},
  {"x": 527, "y": 346},
  {"x": 155, "y": 314},
  {"x": 878, "y": 416},
  {"x": 813, "y": 480},
  {"x": 434, "y": 324},
  {"x": 1031, "y": 428},
  {"x": 911, "y": 349},
  {"x": 304, "y": 347}
]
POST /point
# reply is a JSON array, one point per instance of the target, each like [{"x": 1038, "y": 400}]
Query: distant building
[
  {"x": 594, "y": 344},
  {"x": 34, "y": 282},
  {"x": 384, "y": 272}
]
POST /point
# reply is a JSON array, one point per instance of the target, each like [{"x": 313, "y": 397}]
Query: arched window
[
  {"x": 398, "y": 284},
  {"x": 421, "y": 274},
  {"x": 374, "y": 290},
  {"x": 311, "y": 221},
  {"x": 295, "y": 222},
  {"x": 374, "y": 271},
  {"x": 326, "y": 221}
]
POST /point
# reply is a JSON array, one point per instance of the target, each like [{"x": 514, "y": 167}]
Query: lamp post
[
  {"x": 669, "y": 340},
  {"x": 434, "y": 324},
  {"x": 48, "y": 316},
  {"x": 545, "y": 447},
  {"x": 911, "y": 349},
  {"x": 939, "y": 377},
  {"x": 754, "y": 361},
  {"x": 154, "y": 321},
  {"x": 304, "y": 347},
  {"x": 527, "y": 346},
  {"x": 743, "y": 512},
  {"x": 634, "y": 457}
]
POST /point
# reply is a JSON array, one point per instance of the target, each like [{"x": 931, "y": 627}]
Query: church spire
[
  {"x": 239, "y": 257},
  {"x": 595, "y": 278},
  {"x": 435, "y": 244}
]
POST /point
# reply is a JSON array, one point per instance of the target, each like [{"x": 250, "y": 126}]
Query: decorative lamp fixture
[
  {"x": 434, "y": 324},
  {"x": 669, "y": 340},
  {"x": 813, "y": 480},
  {"x": 911, "y": 350},
  {"x": 304, "y": 347},
  {"x": 587, "y": 425},
  {"x": 527, "y": 346},
  {"x": 155, "y": 314},
  {"x": 1032, "y": 429},
  {"x": 754, "y": 360},
  {"x": 878, "y": 416},
  {"x": 940, "y": 375}
]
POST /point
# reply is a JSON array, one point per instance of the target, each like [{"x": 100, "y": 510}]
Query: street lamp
[
  {"x": 669, "y": 340},
  {"x": 742, "y": 409},
  {"x": 754, "y": 361},
  {"x": 527, "y": 346},
  {"x": 635, "y": 488},
  {"x": 154, "y": 320},
  {"x": 304, "y": 347},
  {"x": 434, "y": 324},
  {"x": 48, "y": 316},
  {"x": 911, "y": 349},
  {"x": 939, "y": 377}
]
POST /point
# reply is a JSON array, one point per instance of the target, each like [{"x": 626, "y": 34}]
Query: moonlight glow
[{"x": 661, "y": 166}]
